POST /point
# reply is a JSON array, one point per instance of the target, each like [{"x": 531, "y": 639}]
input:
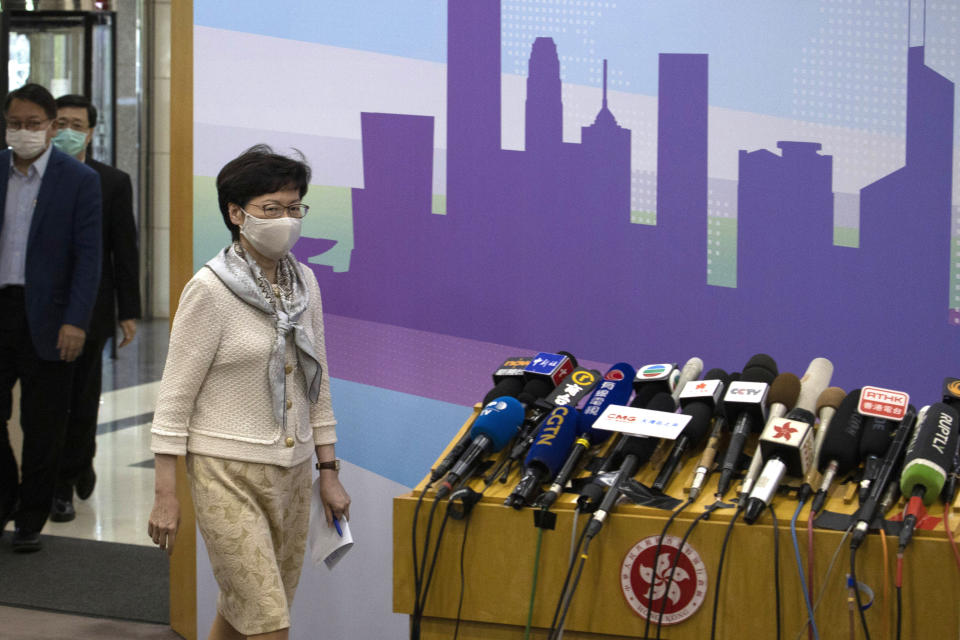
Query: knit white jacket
[{"x": 215, "y": 394}]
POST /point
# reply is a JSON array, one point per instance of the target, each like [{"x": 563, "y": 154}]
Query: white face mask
[
  {"x": 27, "y": 144},
  {"x": 272, "y": 237}
]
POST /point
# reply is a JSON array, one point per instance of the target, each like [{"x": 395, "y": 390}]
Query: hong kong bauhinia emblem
[{"x": 677, "y": 598}]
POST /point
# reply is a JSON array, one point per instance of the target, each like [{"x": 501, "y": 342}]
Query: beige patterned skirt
[{"x": 254, "y": 519}]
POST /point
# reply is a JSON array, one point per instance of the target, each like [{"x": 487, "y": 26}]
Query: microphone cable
[
  {"x": 463, "y": 578},
  {"x": 656, "y": 557},
  {"x": 553, "y": 633},
  {"x": 673, "y": 567},
  {"x": 723, "y": 552},
  {"x": 533, "y": 586},
  {"x": 417, "y": 571},
  {"x": 810, "y": 571},
  {"x": 856, "y": 591},
  {"x": 953, "y": 542},
  {"x": 803, "y": 581},
  {"x": 776, "y": 563},
  {"x": 826, "y": 578},
  {"x": 886, "y": 584},
  {"x": 899, "y": 585}
]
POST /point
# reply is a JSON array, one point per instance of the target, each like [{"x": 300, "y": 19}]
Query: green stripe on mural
[
  {"x": 846, "y": 237},
  {"x": 644, "y": 217},
  {"x": 721, "y": 252},
  {"x": 439, "y": 204}
]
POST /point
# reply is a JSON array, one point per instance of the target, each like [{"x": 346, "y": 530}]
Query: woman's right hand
[
  {"x": 165, "y": 517},
  {"x": 164, "y": 521}
]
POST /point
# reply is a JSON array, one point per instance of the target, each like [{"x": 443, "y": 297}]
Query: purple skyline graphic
[{"x": 537, "y": 250}]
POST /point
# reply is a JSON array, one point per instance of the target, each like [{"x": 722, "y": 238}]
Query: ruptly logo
[{"x": 647, "y": 584}]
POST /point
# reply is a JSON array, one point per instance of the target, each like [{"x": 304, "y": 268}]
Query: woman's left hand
[{"x": 336, "y": 501}]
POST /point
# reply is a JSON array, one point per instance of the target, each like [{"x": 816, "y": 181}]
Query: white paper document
[{"x": 327, "y": 546}]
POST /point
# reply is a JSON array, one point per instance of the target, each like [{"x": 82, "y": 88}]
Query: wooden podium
[{"x": 501, "y": 542}]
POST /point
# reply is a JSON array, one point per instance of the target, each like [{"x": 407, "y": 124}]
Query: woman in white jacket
[{"x": 245, "y": 396}]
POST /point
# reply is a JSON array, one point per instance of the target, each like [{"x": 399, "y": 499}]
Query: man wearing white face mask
[
  {"x": 49, "y": 271},
  {"x": 118, "y": 301}
]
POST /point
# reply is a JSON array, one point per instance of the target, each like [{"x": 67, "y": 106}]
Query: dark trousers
[
  {"x": 80, "y": 442},
  {"x": 44, "y": 402}
]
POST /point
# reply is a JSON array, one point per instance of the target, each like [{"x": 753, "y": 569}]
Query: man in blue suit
[{"x": 50, "y": 244}]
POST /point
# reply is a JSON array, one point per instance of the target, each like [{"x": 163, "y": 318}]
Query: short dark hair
[
  {"x": 257, "y": 171},
  {"x": 76, "y": 100},
  {"x": 35, "y": 93}
]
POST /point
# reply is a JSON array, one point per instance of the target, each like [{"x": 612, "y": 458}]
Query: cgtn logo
[{"x": 883, "y": 403}]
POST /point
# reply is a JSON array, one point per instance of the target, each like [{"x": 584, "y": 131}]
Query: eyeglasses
[
  {"x": 29, "y": 125},
  {"x": 76, "y": 125},
  {"x": 277, "y": 211}
]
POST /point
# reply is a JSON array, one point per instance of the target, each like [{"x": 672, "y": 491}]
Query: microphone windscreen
[
  {"x": 759, "y": 368},
  {"x": 645, "y": 393},
  {"x": 785, "y": 389},
  {"x": 573, "y": 359},
  {"x": 701, "y": 413},
  {"x": 876, "y": 436},
  {"x": 538, "y": 387},
  {"x": 717, "y": 374},
  {"x": 553, "y": 442},
  {"x": 509, "y": 386},
  {"x": 930, "y": 452},
  {"x": 615, "y": 388},
  {"x": 662, "y": 402},
  {"x": 830, "y": 397},
  {"x": 498, "y": 420},
  {"x": 842, "y": 439}
]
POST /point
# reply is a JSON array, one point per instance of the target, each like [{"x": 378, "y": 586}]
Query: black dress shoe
[
  {"x": 6, "y": 515},
  {"x": 85, "y": 482},
  {"x": 62, "y": 510},
  {"x": 26, "y": 540}
]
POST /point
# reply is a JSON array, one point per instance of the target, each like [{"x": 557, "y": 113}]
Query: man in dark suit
[
  {"x": 117, "y": 299},
  {"x": 49, "y": 271}
]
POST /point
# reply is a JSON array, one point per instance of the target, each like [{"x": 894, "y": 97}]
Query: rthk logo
[{"x": 783, "y": 431}]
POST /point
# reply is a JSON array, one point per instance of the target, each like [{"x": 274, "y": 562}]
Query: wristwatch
[{"x": 330, "y": 464}]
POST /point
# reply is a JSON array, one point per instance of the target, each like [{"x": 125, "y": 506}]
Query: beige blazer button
[
  {"x": 288, "y": 369},
  {"x": 289, "y": 404},
  {"x": 289, "y": 442}
]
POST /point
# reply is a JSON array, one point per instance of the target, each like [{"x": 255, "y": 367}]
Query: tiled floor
[{"x": 120, "y": 505}]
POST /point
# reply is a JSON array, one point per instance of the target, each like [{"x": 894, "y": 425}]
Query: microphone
[
  {"x": 507, "y": 381},
  {"x": 546, "y": 454},
  {"x": 794, "y": 453},
  {"x": 698, "y": 399},
  {"x": 827, "y": 403},
  {"x": 615, "y": 389},
  {"x": 497, "y": 422},
  {"x": 636, "y": 451},
  {"x": 787, "y": 446},
  {"x": 691, "y": 371},
  {"x": 874, "y": 441},
  {"x": 927, "y": 462},
  {"x": 868, "y": 509},
  {"x": 951, "y": 397},
  {"x": 784, "y": 391},
  {"x": 569, "y": 392},
  {"x": 705, "y": 464},
  {"x": 840, "y": 449},
  {"x": 744, "y": 405}
]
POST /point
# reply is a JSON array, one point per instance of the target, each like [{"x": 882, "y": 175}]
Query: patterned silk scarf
[{"x": 244, "y": 278}]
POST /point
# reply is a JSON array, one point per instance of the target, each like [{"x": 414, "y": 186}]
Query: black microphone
[
  {"x": 951, "y": 397},
  {"x": 868, "y": 510},
  {"x": 699, "y": 399},
  {"x": 547, "y": 453},
  {"x": 744, "y": 404},
  {"x": 637, "y": 450},
  {"x": 508, "y": 380},
  {"x": 874, "y": 441},
  {"x": 787, "y": 446},
  {"x": 840, "y": 450},
  {"x": 615, "y": 389},
  {"x": 927, "y": 462}
]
